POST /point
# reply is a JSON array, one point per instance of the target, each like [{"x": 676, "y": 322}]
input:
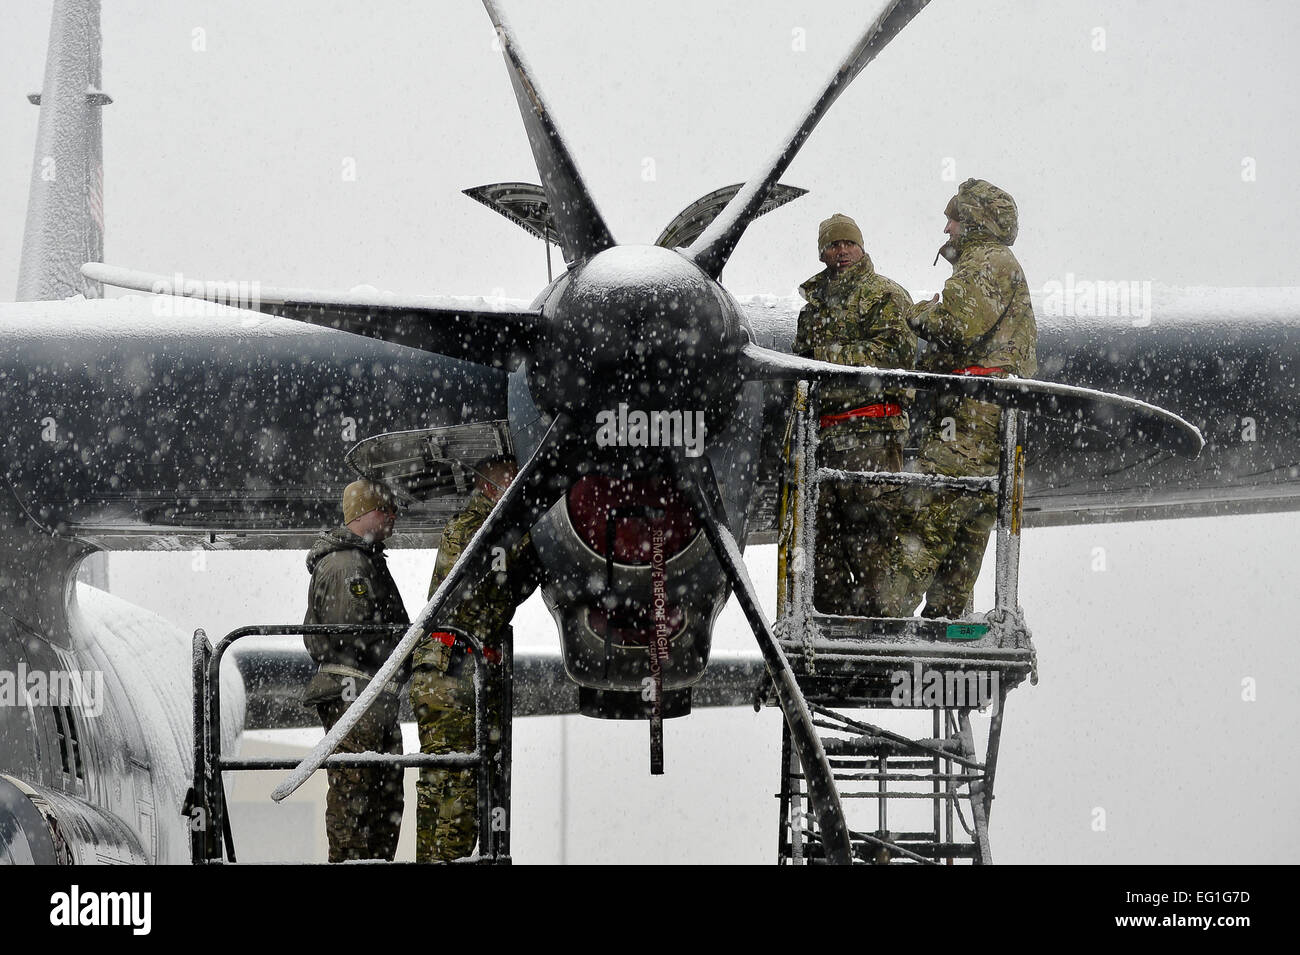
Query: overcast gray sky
[
  {"x": 1143, "y": 141},
  {"x": 1126, "y": 162}
]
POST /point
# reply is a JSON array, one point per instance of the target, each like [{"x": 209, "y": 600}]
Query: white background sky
[{"x": 1126, "y": 164}]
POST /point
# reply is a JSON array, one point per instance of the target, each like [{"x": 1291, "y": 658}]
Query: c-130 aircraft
[{"x": 108, "y": 495}]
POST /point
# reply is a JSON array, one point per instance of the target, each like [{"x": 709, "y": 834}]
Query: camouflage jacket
[
  {"x": 858, "y": 317},
  {"x": 492, "y": 601},
  {"x": 350, "y": 583},
  {"x": 985, "y": 317}
]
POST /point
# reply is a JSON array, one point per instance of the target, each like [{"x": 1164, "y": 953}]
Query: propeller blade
[
  {"x": 714, "y": 247},
  {"x": 581, "y": 228},
  {"x": 695, "y": 218},
  {"x": 1083, "y": 406},
  {"x": 696, "y": 480},
  {"x": 538, "y": 485},
  {"x": 495, "y": 337}
]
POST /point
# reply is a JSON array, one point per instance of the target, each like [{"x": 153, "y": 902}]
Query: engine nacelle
[
  {"x": 40, "y": 826},
  {"x": 627, "y": 562}
]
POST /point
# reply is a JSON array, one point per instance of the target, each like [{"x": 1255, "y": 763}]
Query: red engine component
[
  {"x": 646, "y": 519},
  {"x": 637, "y": 630}
]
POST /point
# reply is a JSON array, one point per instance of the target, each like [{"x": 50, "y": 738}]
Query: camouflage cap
[
  {"x": 362, "y": 496},
  {"x": 837, "y": 228},
  {"x": 984, "y": 209}
]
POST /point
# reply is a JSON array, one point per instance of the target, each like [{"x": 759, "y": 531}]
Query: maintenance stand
[
  {"x": 847, "y": 665},
  {"x": 212, "y": 842}
]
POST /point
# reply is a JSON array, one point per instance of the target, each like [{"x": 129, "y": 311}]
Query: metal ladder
[
  {"x": 848, "y": 666},
  {"x": 211, "y": 840}
]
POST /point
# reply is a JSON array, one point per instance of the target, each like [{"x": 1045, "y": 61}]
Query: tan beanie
[
  {"x": 951, "y": 210},
  {"x": 837, "y": 227},
  {"x": 362, "y": 496}
]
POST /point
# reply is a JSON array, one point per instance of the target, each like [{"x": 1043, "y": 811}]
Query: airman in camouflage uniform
[
  {"x": 350, "y": 584},
  {"x": 855, "y": 316},
  {"x": 984, "y": 325},
  {"x": 442, "y": 685}
]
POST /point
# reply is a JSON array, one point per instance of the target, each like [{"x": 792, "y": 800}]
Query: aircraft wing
[
  {"x": 1224, "y": 359},
  {"x": 168, "y": 423}
]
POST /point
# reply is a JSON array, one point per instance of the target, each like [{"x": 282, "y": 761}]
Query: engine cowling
[{"x": 40, "y": 826}]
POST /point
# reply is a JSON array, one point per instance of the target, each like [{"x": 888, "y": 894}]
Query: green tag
[{"x": 967, "y": 631}]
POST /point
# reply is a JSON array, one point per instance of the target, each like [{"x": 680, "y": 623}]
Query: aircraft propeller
[{"x": 505, "y": 338}]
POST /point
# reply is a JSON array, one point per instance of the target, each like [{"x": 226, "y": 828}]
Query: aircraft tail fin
[
  {"x": 714, "y": 247},
  {"x": 65, "y": 205},
  {"x": 582, "y": 230}
]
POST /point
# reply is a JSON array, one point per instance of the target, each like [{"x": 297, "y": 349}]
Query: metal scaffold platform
[
  {"x": 936, "y": 672},
  {"x": 212, "y": 840}
]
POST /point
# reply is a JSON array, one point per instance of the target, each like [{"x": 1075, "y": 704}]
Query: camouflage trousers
[
  {"x": 957, "y": 530},
  {"x": 447, "y": 799},
  {"x": 954, "y": 527},
  {"x": 363, "y": 810},
  {"x": 857, "y": 528}
]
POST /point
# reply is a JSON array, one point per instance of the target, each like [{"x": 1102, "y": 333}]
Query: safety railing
[
  {"x": 855, "y": 662},
  {"x": 206, "y": 804},
  {"x": 798, "y": 618}
]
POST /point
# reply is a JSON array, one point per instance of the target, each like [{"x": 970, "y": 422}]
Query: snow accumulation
[
  {"x": 151, "y": 659},
  {"x": 170, "y": 318},
  {"x": 225, "y": 290},
  {"x": 641, "y": 266}
]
